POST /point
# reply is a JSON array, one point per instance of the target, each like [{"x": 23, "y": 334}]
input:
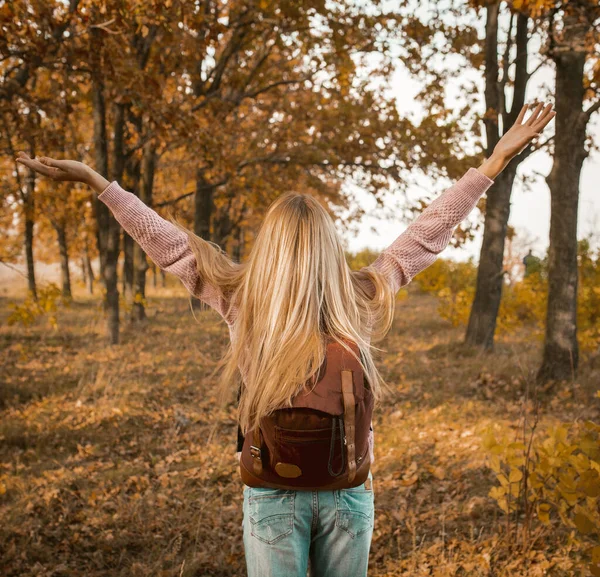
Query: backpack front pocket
[
  {"x": 301, "y": 435},
  {"x": 319, "y": 453}
]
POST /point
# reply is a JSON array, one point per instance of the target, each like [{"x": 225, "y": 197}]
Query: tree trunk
[
  {"x": 490, "y": 277},
  {"x": 108, "y": 227},
  {"x": 31, "y": 284},
  {"x": 223, "y": 230},
  {"x": 29, "y": 211},
  {"x": 89, "y": 269},
  {"x": 132, "y": 180},
  {"x": 83, "y": 271},
  {"x": 154, "y": 275},
  {"x": 241, "y": 243},
  {"x": 238, "y": 232},
  {"x": 203, "y": 209},
  {"x": 138, "y": 312},
  {"x": 561, "y": 353},
  {"x": 490, "y": 273},
  {"x": 127, "y": 272},
  {"x": 61, "y": 235},
  {"x": 203, "y": 206},
  {"x": 114, "y": 236}
]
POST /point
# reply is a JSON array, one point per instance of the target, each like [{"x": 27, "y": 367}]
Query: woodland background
[{"x": 113, "y": 460}]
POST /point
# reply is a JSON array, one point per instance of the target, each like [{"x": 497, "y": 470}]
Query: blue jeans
[{"x": 285, "y": 530}]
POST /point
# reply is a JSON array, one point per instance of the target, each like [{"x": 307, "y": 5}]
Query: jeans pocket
[
  {"x": 367, "y": 486},
  {"x": 355, "y": 509},
  {"x": 271, "y": 513}
]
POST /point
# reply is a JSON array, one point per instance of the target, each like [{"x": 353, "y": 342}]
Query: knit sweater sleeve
[
  {"x": 428, "y": 235},
  {"x": 163, "y": 242}
]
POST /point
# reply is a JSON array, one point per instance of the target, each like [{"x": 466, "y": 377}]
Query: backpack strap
[
  {"x": 256, "y": 450},
  {"x": 349, "y": 422}
]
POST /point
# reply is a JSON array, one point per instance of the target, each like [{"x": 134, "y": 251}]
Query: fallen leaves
[{"x": 136, "y": 453}]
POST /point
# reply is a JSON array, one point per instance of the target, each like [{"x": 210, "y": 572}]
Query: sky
[{"x": 530, "y": 210}]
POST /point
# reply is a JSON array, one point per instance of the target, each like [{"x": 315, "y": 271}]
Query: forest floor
[{"x": 115, "y": 460}]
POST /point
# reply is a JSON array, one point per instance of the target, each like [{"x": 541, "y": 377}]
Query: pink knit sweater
[{"x": 412, "y": 251}]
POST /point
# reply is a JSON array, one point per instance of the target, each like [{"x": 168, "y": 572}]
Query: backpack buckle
[{"x": 255, "y": 452}]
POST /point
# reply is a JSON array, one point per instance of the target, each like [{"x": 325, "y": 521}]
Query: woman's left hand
[{"x": 521, "y": 134}]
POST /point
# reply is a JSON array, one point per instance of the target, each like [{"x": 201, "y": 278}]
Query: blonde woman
[{"x": 296, "y": 287}]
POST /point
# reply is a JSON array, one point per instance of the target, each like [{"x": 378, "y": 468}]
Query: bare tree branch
[{"x": 593, "y": 108}]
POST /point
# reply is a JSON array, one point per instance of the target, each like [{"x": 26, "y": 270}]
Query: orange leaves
[
  {"x": 438, "y": 472},
  {"x": 534, "y": 8},
  {"x": 410, "y": 475}
]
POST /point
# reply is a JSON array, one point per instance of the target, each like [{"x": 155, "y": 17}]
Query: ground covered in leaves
[{"x": 115, "y": 461}]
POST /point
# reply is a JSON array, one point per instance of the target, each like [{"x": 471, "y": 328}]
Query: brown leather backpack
[{"x": 322, "y": 441}]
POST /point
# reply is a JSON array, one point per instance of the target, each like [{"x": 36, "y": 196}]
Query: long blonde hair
[{"x": 295, "y": 288}]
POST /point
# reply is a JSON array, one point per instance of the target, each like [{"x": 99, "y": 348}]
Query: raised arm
[
  {"x": 161, "y": 240},
  {"x": 418, "y": 246}
]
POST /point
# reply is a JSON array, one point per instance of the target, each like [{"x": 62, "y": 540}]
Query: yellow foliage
[
  {"x": 454, "y": 283},
  {"x": 48, "y": 302},
  {"x": 523, "y": 302},
  {"x": 557, "y": 476}
]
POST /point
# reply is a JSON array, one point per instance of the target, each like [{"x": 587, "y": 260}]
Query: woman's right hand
[
  {"x": 60, "y": 170},
  {"x": 64, "y": 171}
]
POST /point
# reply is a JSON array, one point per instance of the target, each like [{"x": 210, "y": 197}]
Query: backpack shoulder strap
[{"x": 349, "y": 421}]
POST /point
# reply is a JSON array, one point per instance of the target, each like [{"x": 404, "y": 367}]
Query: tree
[
  {"x": 242, "y": 99},
  {"x": 24, "y": 194},
  {"x": 33, "y": 33},
  {"x": 26, "y": 45},
  {"x": 436, "y": 37},
  {"x": 573, "y": 41},
  {"x": 275, "y": 85},
  {"x": 490, "y": 272}
]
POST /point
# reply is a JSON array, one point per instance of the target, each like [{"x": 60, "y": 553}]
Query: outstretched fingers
[
  {"x": 522, "y": 114},
  {"x": 37, "y": 166},
  {"x": 534, "y": 115},
  {"x": 544, "y": 119},
  {"x": 52, "y": 162}
]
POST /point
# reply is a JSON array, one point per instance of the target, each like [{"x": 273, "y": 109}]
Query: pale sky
[{"x": 530, "y": 211}]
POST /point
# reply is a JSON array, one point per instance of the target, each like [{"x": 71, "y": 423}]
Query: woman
[{"x": 296, "y": 287}]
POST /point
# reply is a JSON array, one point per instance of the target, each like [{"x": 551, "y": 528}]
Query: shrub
[
  {"x": 588, "y": 309},
  {"x": 554, "y": 479},
  {"x": 523, "y": 302},
  {"x": 47, "y": 305},
  {"x": 454, "y": 284}
]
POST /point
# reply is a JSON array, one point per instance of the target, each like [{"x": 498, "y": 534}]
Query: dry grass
[{"x": 114, "y": 460}]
